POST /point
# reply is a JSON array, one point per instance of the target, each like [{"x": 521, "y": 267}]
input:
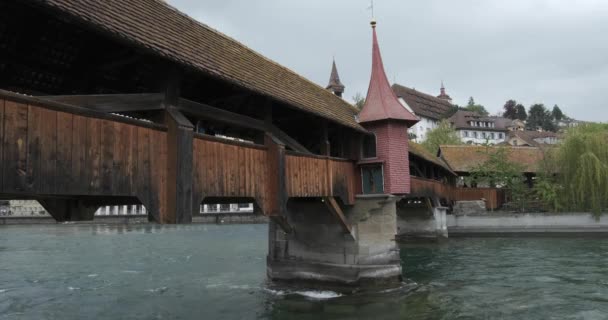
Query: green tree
[
  {"x": 540, "y": 117},
  {"x": 557, "y": 113},
  {"x": 444, "y": 134},
  {"x": 510, "y": 108},
  {"x": 359, "y": 100},
  {"x": 472, "y": 106},
  {"x": 497, "y": 171},
  {"x": 577, "y": 170},
  {"x": 521, "y": 112}
]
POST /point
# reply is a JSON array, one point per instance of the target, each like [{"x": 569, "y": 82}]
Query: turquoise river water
[{"x": 219, "y": 272}]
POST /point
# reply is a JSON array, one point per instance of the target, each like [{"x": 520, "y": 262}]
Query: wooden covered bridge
[
  {"x": 130, "y": 101},
  {"x": 121, "y": 101}
]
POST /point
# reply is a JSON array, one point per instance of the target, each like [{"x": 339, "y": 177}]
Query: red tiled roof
[
  {"x": 423, "y": 104},
  {"x": 159, "y": 28},
  {"x": 530, "y": 136},
  {"x": 464, "y": 158},
  {"x": 381, "y": 102}
]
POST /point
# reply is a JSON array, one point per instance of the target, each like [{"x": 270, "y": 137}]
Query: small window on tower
[{"x": 369, "y": 146}]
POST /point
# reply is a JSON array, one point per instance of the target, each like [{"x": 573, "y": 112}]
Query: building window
[
  {"x": 492, "y": 136},
  {"x": 369, "y": 146},
  {"x": 466, "y": 134},
  {"x": 475, "y": 135},
  {"x": 483, "y": 134},
  {"x": 500, "y": 136}
]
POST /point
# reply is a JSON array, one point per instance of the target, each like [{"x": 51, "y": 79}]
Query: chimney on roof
[
  {"x": 444, "y": 95},
  {"x": 335, "y": 85}
]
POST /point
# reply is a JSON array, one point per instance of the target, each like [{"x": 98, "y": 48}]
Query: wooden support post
[
  {"x": 180, "y": 136},
  {"x": 276, "y": 195},
  {"x": 335, "y": 209}
]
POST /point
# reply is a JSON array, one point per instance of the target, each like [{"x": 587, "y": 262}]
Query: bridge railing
[
  {"x": 229, "y": 169},
  {"x": 51, "y": 149},
  {"x": 320, "y": 176},
  {"x": 421, "y": 187}
]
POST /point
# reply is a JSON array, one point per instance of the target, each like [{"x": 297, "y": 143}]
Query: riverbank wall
[
  {"x": 222, "y": 218},
  {"x": 529, "y": 224}
]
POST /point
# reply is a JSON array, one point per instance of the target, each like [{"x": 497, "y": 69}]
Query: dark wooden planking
[
  {"x": 35, "y": 141},
  {"x": 63, "y": 175},
  {"x": 93, "y": 160},
  {"x": 2, "y": 162},
  {"x": 179, "y": 167},
  {"x": 120, "y": 179},
  {"x": 143, "y": 167},
  {"x": 132, "y": 173},
  {"x": 49, "y": 151},
  {"x": 79, "y": 156},
  {"x": 108, "y": 139},
  {"x": 15, "y": 151},
  {"x": 112, "y": 102},
  {"x": 61, "y": 107}
]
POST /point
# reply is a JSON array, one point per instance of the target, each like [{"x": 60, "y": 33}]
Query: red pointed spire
[{"x": 381, "y": 102}]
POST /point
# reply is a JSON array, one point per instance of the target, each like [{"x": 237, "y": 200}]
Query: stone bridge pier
[{"x": 319, "y": 250}]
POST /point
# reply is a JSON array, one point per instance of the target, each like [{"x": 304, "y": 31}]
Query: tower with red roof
[{"x": 388, "y": 120}]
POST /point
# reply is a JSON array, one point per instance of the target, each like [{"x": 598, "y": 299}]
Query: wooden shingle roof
[
  {"x": 161, "y": 29},
  {"x": 464, "y": 158},
  {"x": 422, "y": 104},
  {"x": 419, "y": 151}
]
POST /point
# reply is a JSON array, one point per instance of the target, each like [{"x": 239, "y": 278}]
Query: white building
[
  {"x": 473, "y": 128},
  {"x": 429, "y": 109}
]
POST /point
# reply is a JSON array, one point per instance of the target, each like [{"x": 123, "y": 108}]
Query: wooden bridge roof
[
  {"x": 464, "y": 158},
  {"x": 419, "y": 151},
  {"x": 158, "y": 27}
]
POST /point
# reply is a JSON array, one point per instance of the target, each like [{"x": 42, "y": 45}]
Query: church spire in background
[
  {"x": 444, "y": 95},
  {"x": 334, "y": 81}
]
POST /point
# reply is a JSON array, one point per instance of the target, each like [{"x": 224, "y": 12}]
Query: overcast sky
[{"x": 533, "y": 51}]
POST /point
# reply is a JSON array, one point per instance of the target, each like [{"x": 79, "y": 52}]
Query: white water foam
[
  {"x": 130, "y": 271},
  {"x": 319, "y": 295},
  {"x": 73, "y": 288},
  {"x": 158, "y": 290},
  {"x": 3, "y": 290},
  {"x": 93, "y": 275}
]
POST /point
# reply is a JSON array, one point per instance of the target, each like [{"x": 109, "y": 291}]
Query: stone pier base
[
  {"x": 321, "y": 251},
  {"x": 416, "y": 220}
]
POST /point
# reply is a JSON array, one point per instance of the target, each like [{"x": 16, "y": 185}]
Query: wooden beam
[
  {"x": 335, "y": 209},
  {"x": 112, "y": 102},
  {"x": 205, "y": 111}
]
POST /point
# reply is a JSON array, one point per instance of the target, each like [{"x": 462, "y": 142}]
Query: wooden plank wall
[
  {"x": 428, "y": 188},
  {"x": 311, "y": 176},
  {"x": 421, "y": 187},
  {"x": 495, "y": 198},
  {"x": 344, "y": 180},
  {"x": 52, "y": 153},
  {"x": 306, "y": 176},
  {"x": 229, "y": 170}
]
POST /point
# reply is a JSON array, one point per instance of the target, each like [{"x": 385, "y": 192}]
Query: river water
[{"x": 218, "y": 272}]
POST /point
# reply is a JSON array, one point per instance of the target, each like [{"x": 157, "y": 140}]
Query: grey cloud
[{"x": 548, "y": 51}]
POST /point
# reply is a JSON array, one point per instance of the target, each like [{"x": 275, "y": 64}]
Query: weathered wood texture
[
  {"x": 229, "y": 170},
  {"x": 431, "y": 188},
  {"x": 495, "y": 198},
  {"x": 312, "y": 176},
  {"x": 47, "y": 152}
]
